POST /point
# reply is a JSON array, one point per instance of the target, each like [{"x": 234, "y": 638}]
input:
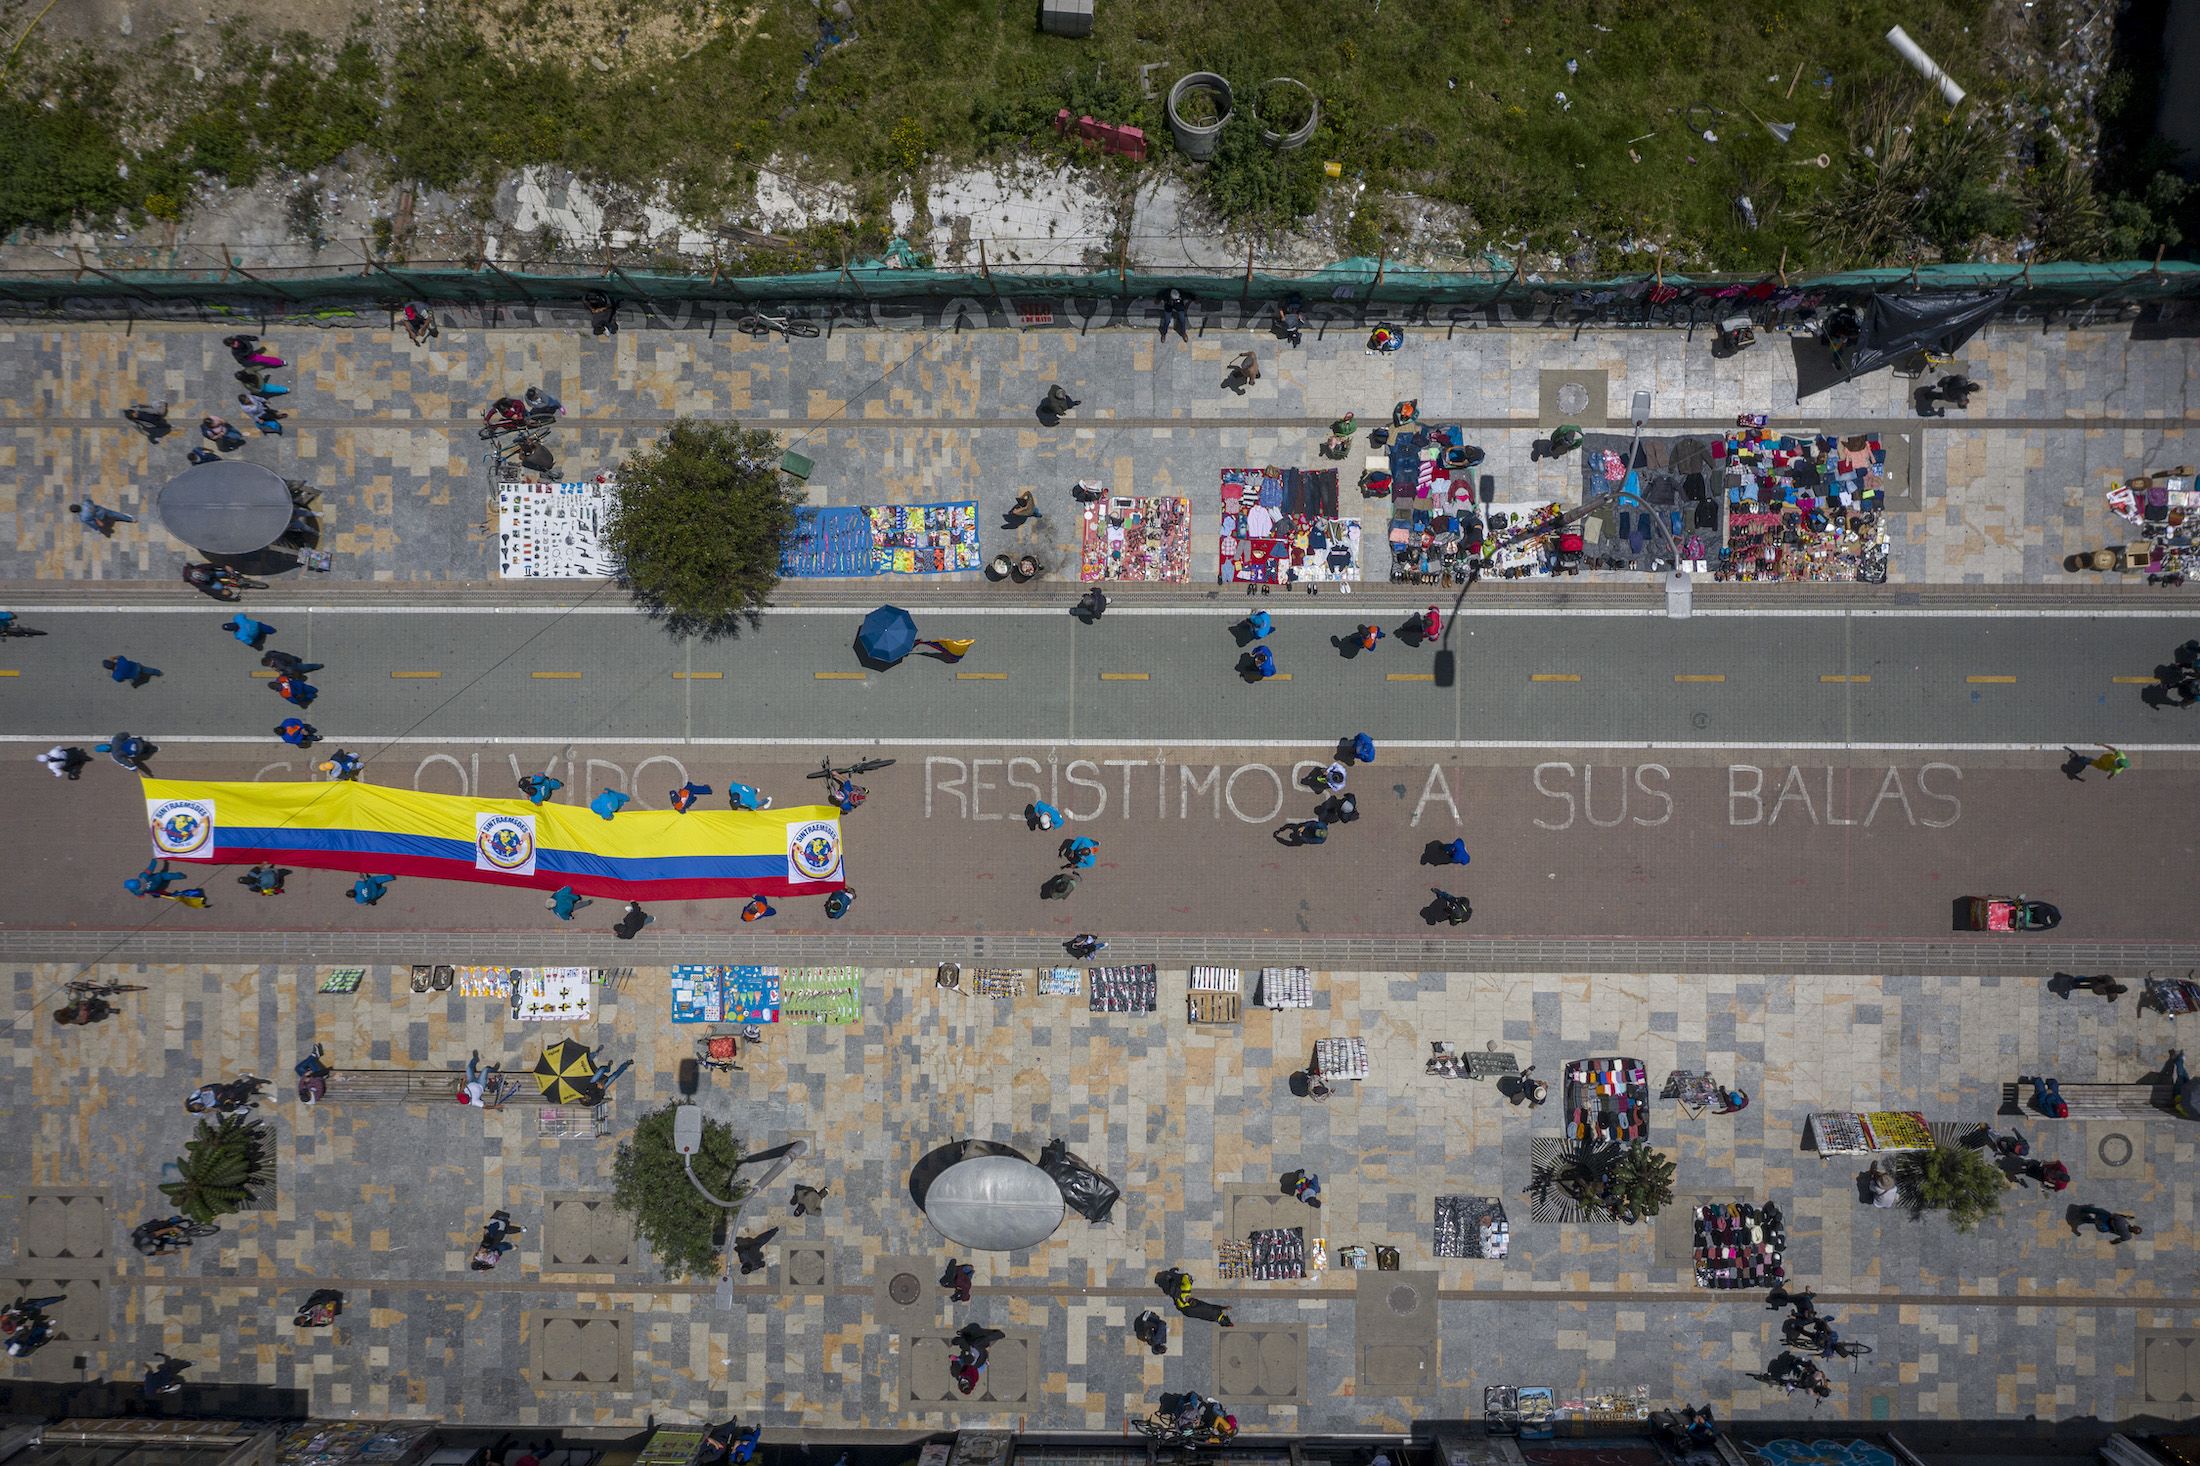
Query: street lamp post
[
  {"x": 1678, "y": 589},
  {"x": 687, "y": 1141}
]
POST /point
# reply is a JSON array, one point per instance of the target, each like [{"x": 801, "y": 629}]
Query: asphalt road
[{"x": 1167, "y": 676}]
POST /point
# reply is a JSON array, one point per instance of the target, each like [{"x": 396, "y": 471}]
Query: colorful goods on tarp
[
  {"x": 923, "y": 539},
  {"x": 827, "y": 544},
  {"x": 1137, "y": 539},
  {"x": 1280, "y": 526},
  {"x": 552, "y": 531},
  {"x": 646, "y": 855}
]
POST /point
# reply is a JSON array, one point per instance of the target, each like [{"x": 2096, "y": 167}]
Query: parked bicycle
[{"x": 788, "y": 327}]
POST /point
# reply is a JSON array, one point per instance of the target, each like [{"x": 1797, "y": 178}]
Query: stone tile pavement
[
  {"x": 387, "y": 432},
  {"x": 578, "y": 1328}
]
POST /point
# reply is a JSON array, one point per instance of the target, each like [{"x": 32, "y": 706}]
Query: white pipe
[{"x": 1926, "y": 66}]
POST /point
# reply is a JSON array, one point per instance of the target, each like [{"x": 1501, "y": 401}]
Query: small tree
[
  {"x": 649, "y": 1182},
  {"x": 222, "y": 1169},
  {"x": 1956, "y": 1180},
  {"x": 699, "y": 525},
  {"x": 1629, "y": 1181}
]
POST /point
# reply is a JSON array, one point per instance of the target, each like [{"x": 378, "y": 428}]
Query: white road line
[
  {"x": 673, "y": 740},
  {"x": 1332, "y": 610}
]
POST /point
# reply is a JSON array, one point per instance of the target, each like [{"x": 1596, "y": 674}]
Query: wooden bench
[
  {"x": 392, "y": 1086},
  {"x": 2140, "y": 1101},
  {"x": 1207, "y": 1007}
]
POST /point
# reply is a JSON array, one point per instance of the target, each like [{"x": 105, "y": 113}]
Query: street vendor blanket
[
  {"x": 1137, "y": 539},
  {"x": 551, "y": 531},
  {"x": 642, "y": 855},
  {"x": 1280, "y": 526},
  {"x": 923, "y": 539}
]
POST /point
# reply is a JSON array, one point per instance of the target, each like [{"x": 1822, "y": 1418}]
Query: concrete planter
[
  {"x": 1297, "y": 136},
  {"x": 1197, "y": 139}
]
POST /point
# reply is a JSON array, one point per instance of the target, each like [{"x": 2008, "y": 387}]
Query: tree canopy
[
  {"x": 649, "y": 1182},
  {"x": 1956, "y": 1180},
  {"x": 699, "y": 523}
]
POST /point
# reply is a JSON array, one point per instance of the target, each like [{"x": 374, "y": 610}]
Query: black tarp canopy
[{"x": 1891, "y": 327}]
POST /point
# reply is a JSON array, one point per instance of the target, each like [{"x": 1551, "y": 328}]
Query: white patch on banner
[
  {"x": 183, "y": 829},
  {"x": 505, "y": 843},
  {"x": 813, "y": 851}
]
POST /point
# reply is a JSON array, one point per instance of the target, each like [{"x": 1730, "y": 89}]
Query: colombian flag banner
[{"x": 646, "y": 855}]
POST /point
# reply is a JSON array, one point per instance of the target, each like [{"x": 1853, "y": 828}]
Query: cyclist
[{"x": 160, "y": 1235}]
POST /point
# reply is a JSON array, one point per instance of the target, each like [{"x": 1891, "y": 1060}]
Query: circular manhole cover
[
  {"x": 1573, "y": 398},
  {"x": 2114, "y": 1150},
  {"x": 904, "y": 1288},
  {"x": 1404, "y": 1299}
]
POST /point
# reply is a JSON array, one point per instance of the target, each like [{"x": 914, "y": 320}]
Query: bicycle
[
  {"x": 1843, "y": 1349},
  {"x": 155, "y": 1239},
  {"x": 762, "y": 324},
  {"x": 85, "y": 988},
  {"x": 826, "y": 770},
  {"x": 1169, "y": 1433}
]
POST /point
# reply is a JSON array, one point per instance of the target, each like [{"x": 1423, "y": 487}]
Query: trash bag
[{"x": 1085, "y": 1191}]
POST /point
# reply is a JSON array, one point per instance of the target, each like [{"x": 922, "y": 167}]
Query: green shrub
[
  {"x": 223, "y": 1169},
  {"x": 700, "y": 523},
  {"x": 1955, "y": 1180},
  {"x": 649, "y": 1182}
]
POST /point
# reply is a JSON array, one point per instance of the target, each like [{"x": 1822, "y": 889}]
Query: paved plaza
[{"x": 1194, "y": 1122}]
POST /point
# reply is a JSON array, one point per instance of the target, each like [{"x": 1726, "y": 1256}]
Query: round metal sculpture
[
  {"x": 226, "y": 508},
  {"x": 994, "y": 1203}
]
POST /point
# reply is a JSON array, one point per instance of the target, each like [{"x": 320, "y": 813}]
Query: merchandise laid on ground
[
  {"x": 1135, "y": 989},
  {"x": 827, "y": 543},
  {"x": 1267, "y": 1255},
  {"x": 923, "y": 539},
  {"x": 1607, "y": 1100},
  {"x": 2164, "y": 508},
  {"x": 1751, "y": 505},
  {"x": 1841, "y": 1132},
  {"x": 1280, "y": 526},
  {"x": 719, "y": 993},
  {"x": 1146, "y": 539},
  {"x": 552, "y": 531},
  {"x": 1471, "y": 1226},
  {"x": 1740, "y": 1244}
]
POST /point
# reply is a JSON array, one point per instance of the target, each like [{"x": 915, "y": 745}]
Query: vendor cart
[
  {"x": 1736, "y": 334},
  {"x": 2013, "y": 914}
]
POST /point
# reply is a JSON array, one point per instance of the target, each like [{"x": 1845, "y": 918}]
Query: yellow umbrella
[{"x": 565, "y": 1073}]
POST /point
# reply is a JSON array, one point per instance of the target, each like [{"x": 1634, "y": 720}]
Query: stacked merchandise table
[
  {"x": 1607, "y": 1100},
  {"x": 1340, "y": 1058},
  {"x": 1286, "y": 987},
  {"x": 1740, "y": 1245}
]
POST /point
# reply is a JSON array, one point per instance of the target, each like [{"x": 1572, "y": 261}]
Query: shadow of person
[
  {"x": 2074, "y": 767},
  {"x": 1437, "y": 912},
  {"x": 1436, "y": 852},
  {"x": 1248, "y": 670},
  {"x": 1347, "y": 647},
  {"x": 2078, "y": 1216},
  {"x": 1413, "y": 633},
  {"x": 1242, "y": 633}
]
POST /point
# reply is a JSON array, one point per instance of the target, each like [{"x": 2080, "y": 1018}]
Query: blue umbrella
[{"x": 888, "y": 635}]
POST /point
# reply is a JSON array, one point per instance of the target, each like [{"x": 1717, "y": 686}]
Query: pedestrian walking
[
  {"x": 369, "y": 889},
  {"x": 2110, "y": 760},
  {"x": 1059, "y": 886},
  {"x": 608, "y": 803},
  {"x": 1260, "y": 623},
  {"x": 294, "y": 690},
  {"x": 248, "y": 631},
  {"x": 297, "y": 732},
  {"x": 837, "y": 904},
  {"x": 1456, "y": 910},
  {"x": 260, "y": 382},
  {"x": 1289, "y": 322},
  {"x": 631, "y": 922},
  {"x": 603, "y": 312},
  {"x": 747, "y": 796},
  {"x": 280, "y": 661},
  {"x": 1025, "y": 507},
  {"x": 2119, "y": 1226},
  {"x": 1369, "y": 635},
  {"x": 1093, "y": 604},
  {"x": 1040, "y": 815},
  {"x": 957, "y": 1279},
  {"x": 1152, "y": 1330},
  {"x": 152, "y": 880},
  {"x": 164, "y": 1378},
  {"x": 246, "y": 350},
  {"x": 1084, "y": 945},
  {"x": 1333, "y": 778},
  {"x": 99, "y": 518},
  {"x": 686, "y": 795},
  {"x": 749, "y": 1251},
  {"x": 565, "y": 901},
  {"x": 1081, "y": 852},
  {"x": 134, "y": 674},
  {"x": 320, "y": 1309},
  {"x": 64, "y": 761},
  {"x": 1264, "y": 663},
  {"x": 1456, "y": 853},
  {"x": 342, "y": 765},
  {"x": 313, "y": 1073},
  {"x": 1055, "y": 403},
  {"x": 221, "y": 434},
  {"x": 264, "y": 880},
  {"x": 1304, "y": 1186},
  {"x": 808, "y": 1201},
  {"x": 126, "y": 749},
  {"x": 1176, "y": 310},
  {"x": 1304, "y": 832},
  {"x": 757, "y": 909},
  {"x": 149, "y": 418},
  {"x": 1244, "y": 372},
  {"x": 539, "y": 787}
]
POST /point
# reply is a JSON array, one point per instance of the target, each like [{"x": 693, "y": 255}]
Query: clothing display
[
  {"x": 1280, "y": 526},
  {"x": 551, "y": 531},
  {"x": 1607, "y": 1100},
  {"x": 1125, "y": 989},
  {"x": 1739, "y": 1245},
  {"x": 1137, "y": 539},
  {"x": 924, "y": 539},
  {"x": 1286, "y": 987},
  {"x": 1472, "y": 1226},
  {"x": 2174, "y": 996}
]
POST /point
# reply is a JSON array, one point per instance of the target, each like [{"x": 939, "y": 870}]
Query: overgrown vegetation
[
  {"x": 699, "y": 525},
  {"x": 649, "y": 1182},
  {"x": 223, "y": 1168},
  {"x": 1471, "y": 108}
]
